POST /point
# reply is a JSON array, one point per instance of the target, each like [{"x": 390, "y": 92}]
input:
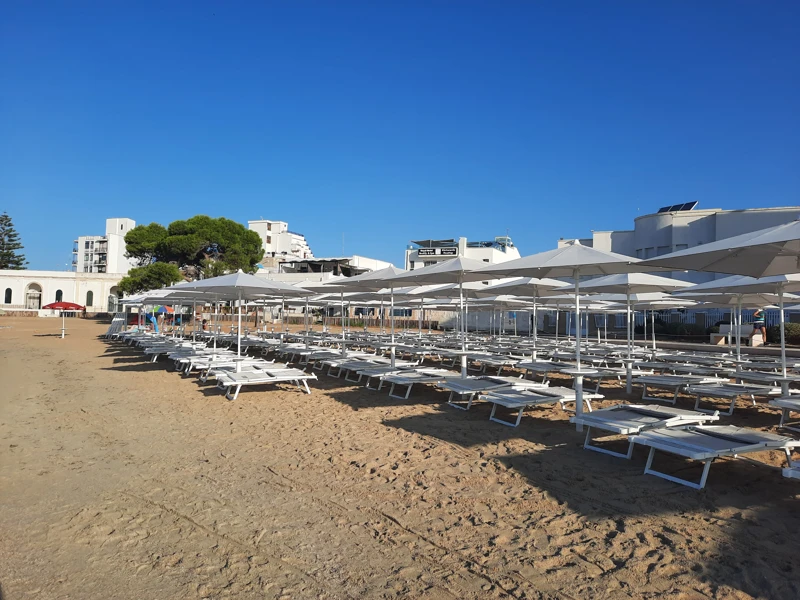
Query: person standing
[{"x": 759, "y": 326}]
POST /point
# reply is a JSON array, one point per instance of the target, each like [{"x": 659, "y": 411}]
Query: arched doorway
[
  {"x": 59, "y": 295},
  {"x": 114, "y": 297},
  {"x": 33, "y": 296},
  {"x": 7, "y": 297},
  {"x": 89, "y": 298}
]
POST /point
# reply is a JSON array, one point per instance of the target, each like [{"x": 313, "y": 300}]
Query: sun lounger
[
  {"x": 629, "y": 419},
  {"x": 520, "y": 399},
  {"x": 471, "y": 387},
  {"x": 729, "y": 391},
  {"x": 787, "y": 406},
  {"x": 408, "y": 379},
  {"x": 236, "y": 381},
  {"x": 673, "y": 383},
  {"x": 706, "y": 443}
]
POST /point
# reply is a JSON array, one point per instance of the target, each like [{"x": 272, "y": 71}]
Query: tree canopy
[
  {"x": 10, "y": 246},
  {"x": 150, "y": 277},
  {"x": 200, "y": 245}
]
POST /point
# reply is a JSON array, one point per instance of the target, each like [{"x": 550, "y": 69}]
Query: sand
[{"x": 121, "y": 479}]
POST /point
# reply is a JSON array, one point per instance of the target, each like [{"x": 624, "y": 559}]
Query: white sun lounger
[
  {"x": 468, "y": 389},
  {"x": 520, "y": 399},
  {"x": 787, "y": 406},
  {"x": 629, "y": 419},
  {"x": 408, "y": 379},
  {"x": 706, "y": 443},
  {"x": 729, "y": 391},
  {"x": 673, "y": 383},
  {"x": 236, "y": 381}
]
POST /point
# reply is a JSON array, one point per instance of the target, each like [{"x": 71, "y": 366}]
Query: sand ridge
[{"x": 123, "y": 479}]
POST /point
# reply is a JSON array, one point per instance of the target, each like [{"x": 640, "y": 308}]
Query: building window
[
  {"x": 89, "y": 298},
  {"x": 8, "y": 296},
  {"x": 269, "y": 239},
  {"x": 662, "y": 250},
  {"x": 269, "y": 226},
  {"x": 86, "y": 245},
  {"x": 679, "y": 247},
  {"x": 59, "y": 295}
]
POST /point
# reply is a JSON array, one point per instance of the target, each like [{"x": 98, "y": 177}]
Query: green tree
[
  {"x": 10, "y": 245},
  {"x": 150, "y": 277},
  {"x": 197, "y": 245},
  {"x": 141, "y": 242}
]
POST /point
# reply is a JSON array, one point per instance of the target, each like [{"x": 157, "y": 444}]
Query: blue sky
[{"x": 389, "y": 121}]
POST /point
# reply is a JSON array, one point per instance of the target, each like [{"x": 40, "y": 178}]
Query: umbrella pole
[
  {"x": 629, "y": 362},
  {"x": 391, "y": 318},
  {"x": 344, "y": 351},
  {"x": 605, "y": 327},
  {"x": 784, "y": 382},
  {"x": 463, "y": 328},
  {"x": 653, "y": 328},
  {"x": 578, "y": 375},
  {"x": 535, "y": 327},
  {"x": 557, "y": 311},
  {"x": 239, "y": 334},
  {"x": 420, "y": 316},
  {"x": 739, "y": 332}
]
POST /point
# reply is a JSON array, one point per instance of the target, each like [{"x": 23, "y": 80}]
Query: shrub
[{"x": 792, "y": 332}]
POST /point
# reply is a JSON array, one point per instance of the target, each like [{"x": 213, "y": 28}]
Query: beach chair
[
  {"x": 235, "y": 381},
  {"x": 520, "y": 399},
  {"x": 673, "y": 383},
  {"x": 787, "y": 406},
  {"x": 729, "y": 391},
  {"x": 409, "y": 378},
  {"x": 707, "y": 443},
  {"x": 470, "y": 388},
  {"x": 630, "y": 419}
]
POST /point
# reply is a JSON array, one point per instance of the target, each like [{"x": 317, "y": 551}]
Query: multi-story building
[
  {"x": 104, "y": 253},
  {"x": 682, "y": 226},
  {"x": 423, "y": 253},
  {"x": 279, "y": 243}
]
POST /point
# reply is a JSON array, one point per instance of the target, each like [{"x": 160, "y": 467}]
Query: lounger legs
[
  {"x": 470, "y": 398},
  {"x": 588, "y": 446},
  {"x": 503, "y": 422},
  {"x": 648, "y": 470},
  {"x": 408, "y": 391},
  {"x": 710, "y": 411}
]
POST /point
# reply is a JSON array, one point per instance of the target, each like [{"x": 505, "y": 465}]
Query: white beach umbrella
[
  {"x": 628, "y": 284},
  {"x": 243, "y": 286},
  {"x": 447, "y": 271},
  {"x": 772, "y": 251},
  {"x": 572, "y": 260}
]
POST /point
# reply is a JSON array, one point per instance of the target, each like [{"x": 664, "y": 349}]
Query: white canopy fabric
[
  {"x": 772, "y": 251},
  {"x": 373, "y": 280}
]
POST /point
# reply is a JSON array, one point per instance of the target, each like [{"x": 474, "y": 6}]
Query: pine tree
[{"x": 10, "y": 257}]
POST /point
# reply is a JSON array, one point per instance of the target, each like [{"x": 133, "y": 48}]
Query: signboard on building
[{"x": 451, "y": 251}]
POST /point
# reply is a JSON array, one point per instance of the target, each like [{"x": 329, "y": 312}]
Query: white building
[
  {"x": 103, "y": 253},
  {"x": 681, "y": 226},
  {"x": 30, "y": 290},
  {"x": 319, "y": 269},
  {"x": 279, "y": 243},
  {"x": 423, "y": 253}
]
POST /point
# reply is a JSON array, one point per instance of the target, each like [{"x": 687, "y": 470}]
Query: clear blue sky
[{"x": 391, "y": 121}]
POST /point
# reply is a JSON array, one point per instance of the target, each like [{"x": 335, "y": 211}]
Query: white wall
[{"x": 74, "y": 287}]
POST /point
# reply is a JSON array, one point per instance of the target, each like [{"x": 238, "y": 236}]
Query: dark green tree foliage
[
  {"x": 197, "y": 245},
  {"x": 142, "y": 241},
  {"x": 10, "y": 245},
  {"x": 150, "y": 277}
]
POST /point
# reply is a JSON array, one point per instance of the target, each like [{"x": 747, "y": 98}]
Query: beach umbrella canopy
[
  {"x": 372, "y": 280},
  {"x": 531, "y": 287},
  {"x": 63, "y": 306},
  {"x": 242, "y": 286},
  {"x": 771, "y": 251},
  {"x": 446, "y": 271}
]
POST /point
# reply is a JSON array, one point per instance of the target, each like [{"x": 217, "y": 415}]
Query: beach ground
[{"x": 122, "y": 479}]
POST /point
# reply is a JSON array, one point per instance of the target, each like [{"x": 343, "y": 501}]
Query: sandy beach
[{"x": 121, "y": 479}]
